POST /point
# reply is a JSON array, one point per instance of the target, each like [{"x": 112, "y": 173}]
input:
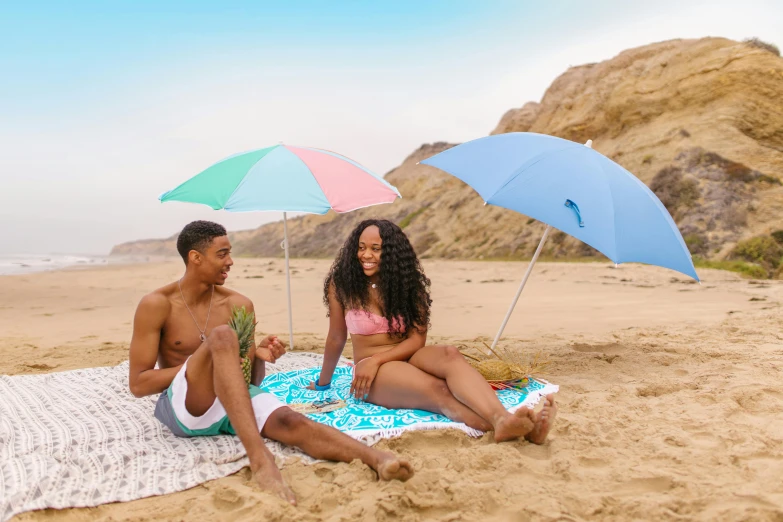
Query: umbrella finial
[{"x": 589, "y": 144}]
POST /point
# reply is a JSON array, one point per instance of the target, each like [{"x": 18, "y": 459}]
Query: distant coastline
[{"x": 20, "y": 264}]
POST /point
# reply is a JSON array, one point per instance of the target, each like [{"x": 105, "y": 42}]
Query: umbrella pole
[
  {"x": 521, "y": 286},
  {"x": 288, "y": 285}
]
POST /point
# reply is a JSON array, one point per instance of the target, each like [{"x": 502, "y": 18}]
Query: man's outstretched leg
[
  {"x": 214, "y": 371},
  {"x": 324, "y": 442}
]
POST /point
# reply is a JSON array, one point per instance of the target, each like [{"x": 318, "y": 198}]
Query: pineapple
[{"x": 244, "y": 324}]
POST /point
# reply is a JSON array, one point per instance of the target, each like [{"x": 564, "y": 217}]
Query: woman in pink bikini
[{"x": 376, "y": 290}]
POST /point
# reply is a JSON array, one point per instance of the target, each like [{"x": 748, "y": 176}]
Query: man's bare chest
[{"x": 182, "y": 332}]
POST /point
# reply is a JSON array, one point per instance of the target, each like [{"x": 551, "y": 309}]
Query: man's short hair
[{"x": 198, "y": 235}]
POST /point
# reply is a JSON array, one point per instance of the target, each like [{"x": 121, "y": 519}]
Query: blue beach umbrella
[{"x": 572, "y": 188}]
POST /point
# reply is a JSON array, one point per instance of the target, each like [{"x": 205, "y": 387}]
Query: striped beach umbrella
[{"x": 285, "y": 178}]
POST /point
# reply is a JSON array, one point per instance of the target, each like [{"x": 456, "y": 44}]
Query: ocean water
[{"x": 16, "y": 264}]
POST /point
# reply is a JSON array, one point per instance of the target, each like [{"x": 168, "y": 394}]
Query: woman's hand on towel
[
  {"x": 363, "y": 375},
  {"x": 270, "y": 349}
]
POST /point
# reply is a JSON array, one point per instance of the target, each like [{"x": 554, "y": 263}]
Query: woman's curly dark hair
[{"x": 404, "y": 289}]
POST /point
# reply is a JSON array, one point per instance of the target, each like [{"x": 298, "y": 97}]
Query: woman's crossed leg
[
  {"x": 438, "y": 379},
  {"x": 401, "y": 385}
]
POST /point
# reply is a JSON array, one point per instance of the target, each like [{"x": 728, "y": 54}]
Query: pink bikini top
[{"x": 366, "y": 323}]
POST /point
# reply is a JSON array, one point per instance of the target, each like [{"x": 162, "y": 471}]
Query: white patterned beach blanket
[{"x": 79, "y": 438}]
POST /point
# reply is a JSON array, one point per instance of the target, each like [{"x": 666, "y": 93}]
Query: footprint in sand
[
  {"x": 706, "y": 440},
  {"x": 425, "y": 441},
  {"x": 227, "y": 499},
  {"x": 609, "y": 349},
  {"x": 754, "y": 401},
  {"x": 324, "y": 474},
  {"x": 536, "y": 451},
  {"x": 608, "y": 358},
  {"x": 646, "y": 485},
  {"x": 41, "y": 367},
  {"x": 590, "y": 462},
  {"x": 755, "y": 500},
  {"x": 655, "y": 390}
]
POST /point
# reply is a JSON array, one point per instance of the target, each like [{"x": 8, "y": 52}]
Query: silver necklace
[
  {"x": 373, "y": 285},
  {"x": 203, "y": 337}
]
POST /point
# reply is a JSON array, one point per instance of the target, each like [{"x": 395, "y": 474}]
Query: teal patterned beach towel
[{"x": 363, "y": 420}]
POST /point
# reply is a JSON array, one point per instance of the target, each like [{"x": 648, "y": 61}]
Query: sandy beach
[{"x": 670, "y": 400}]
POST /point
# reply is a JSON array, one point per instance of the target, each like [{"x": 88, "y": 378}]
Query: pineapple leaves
[{"x": 244, "y": 324}]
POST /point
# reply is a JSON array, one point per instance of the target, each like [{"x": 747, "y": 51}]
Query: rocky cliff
[{"x": 699, "y": 121}]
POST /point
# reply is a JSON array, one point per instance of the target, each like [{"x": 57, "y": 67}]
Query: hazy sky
[{"x": 105, "y": 105}]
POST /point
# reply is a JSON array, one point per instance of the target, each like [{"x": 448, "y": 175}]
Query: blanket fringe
[
  {"x": 372, "y": 436},
  {"x": 534, "y": 397}
]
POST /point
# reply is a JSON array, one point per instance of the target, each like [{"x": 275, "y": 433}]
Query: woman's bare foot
[
  {"x": 515, "y": 425},
  {"x": 390, "y": 467},
  {"x": 544, "y": 422},
  {"x": 269, "y": 479}
]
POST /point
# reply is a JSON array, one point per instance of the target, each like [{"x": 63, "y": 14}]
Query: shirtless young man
[{"x": 183, "y": 327}]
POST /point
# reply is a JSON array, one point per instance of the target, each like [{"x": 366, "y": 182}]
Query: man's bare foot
[
  {"x": 390, "y": 467},
  {"x": 544, "y": 422},
  {"x": 270, "y": 480},
  {"x": 515, "y": 425}
]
